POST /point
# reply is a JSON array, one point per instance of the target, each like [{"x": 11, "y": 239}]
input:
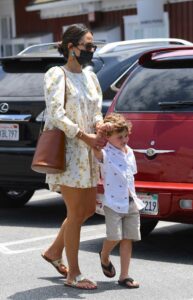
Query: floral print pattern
[{"x": 82, "y": 111}]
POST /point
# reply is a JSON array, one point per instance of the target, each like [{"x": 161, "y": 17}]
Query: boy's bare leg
[
  {"x": 125, "y": 257},
  {"x": 107, "y": 248}
]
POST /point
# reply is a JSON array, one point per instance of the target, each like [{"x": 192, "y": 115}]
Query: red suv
[{"x": 157, "y": 97}]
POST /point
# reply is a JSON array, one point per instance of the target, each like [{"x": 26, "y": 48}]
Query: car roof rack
[
  {"x": 124, "y": 45},
  {"x": 50, "y": 48}
]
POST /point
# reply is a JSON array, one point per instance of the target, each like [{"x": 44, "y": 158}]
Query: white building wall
[
  {"x": 108, "y": 36},
  {"x": 7, "y": 24},
  {"x": 109, "y": 5}
]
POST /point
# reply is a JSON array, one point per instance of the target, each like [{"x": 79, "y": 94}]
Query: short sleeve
[{"x": 54, "y": 87}]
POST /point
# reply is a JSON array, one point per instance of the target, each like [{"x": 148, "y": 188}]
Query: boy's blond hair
[{"x": 119, "y": 123}]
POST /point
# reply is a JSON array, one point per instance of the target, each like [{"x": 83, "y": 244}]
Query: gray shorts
[{"x": 121, "y": 226}]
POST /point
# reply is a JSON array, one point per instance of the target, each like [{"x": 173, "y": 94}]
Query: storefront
[{"x": 26, "y": 22}]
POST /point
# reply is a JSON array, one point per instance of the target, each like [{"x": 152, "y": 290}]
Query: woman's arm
[
  {"x": 54, "y": 88},
  {"x": 91, "y": 139}
]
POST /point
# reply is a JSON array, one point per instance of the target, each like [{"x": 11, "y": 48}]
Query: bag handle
[
  {"x": 65, "y": 100},
  {"x": 65, "y": 96}
]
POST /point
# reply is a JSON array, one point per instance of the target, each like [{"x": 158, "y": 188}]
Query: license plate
[
  {"x": 9, "y": 132},
  {"x": 151, "y": 203}
]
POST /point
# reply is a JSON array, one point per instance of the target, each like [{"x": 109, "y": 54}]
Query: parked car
[
  {"x": 157, "y": 97},
  {"x": 22, "y": 105}
]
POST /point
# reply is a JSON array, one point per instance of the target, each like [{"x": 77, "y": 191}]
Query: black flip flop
[
  {"x": 125, "y": 281},
  {"x": 110, "y": 268}
]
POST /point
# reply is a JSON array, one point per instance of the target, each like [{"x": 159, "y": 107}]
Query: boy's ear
[{"x": 107, "y": 137}]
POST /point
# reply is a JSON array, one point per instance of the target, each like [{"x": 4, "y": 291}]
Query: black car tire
[
  {"x": 14, "y": 198},
  {"x": 147, "y": 226}
]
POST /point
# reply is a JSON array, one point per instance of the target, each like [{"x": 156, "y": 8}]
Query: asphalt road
[{"x": 162, "y": 262}]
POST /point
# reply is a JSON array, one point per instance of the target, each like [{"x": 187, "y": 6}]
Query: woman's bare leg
[
  {"x": 55, "y": 250},
  {"x": 80, "y": 205}
]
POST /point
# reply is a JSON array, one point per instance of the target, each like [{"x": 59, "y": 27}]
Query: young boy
[{"x": 121, "y": 204}]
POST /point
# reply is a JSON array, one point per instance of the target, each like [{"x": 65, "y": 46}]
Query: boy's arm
[{"x": 98, "y": 154}]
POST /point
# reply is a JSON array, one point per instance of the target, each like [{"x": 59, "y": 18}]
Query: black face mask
[{"x": 85, "y": 57}]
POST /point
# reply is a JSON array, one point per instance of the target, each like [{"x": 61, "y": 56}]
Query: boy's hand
[{"x": 107, "y": 126}]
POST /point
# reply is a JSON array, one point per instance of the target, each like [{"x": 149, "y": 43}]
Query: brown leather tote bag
[{"x": 49, "y": 156}]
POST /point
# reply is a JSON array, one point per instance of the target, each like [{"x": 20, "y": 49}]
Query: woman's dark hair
[{"x": 73, "y": 34}]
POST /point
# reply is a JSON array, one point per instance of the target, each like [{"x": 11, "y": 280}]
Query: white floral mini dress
[{"x": 82, "y": 111}]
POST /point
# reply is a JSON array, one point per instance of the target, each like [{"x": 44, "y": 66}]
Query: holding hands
[
  {"x": 98, "y": 140},
  {"x": 102, "y": 128}
]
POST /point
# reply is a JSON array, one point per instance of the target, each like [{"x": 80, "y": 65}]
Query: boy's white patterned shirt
[{"x": 117, "y": 170}]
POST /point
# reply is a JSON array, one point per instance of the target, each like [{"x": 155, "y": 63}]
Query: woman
[{"x": 79, "y": 120}]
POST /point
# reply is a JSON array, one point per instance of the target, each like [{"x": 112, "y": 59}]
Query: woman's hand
[{"x": 93, "y": 140}]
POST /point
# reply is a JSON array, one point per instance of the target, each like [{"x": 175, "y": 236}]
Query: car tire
[
  {"x": 147, "y": 226},
  {"x": 14, "y": 198}
]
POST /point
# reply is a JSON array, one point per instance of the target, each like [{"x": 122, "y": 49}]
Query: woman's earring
[{"x": 72, "y": 53}]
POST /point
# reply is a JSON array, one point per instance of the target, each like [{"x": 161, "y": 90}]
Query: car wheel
[
  {"x": 14, "y": 198},
  {"x": 147, "y": 225}
]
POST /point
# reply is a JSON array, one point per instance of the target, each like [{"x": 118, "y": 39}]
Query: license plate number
[
  {"x": 9, "y": 132},
  {"x": 151, "y": 203}
]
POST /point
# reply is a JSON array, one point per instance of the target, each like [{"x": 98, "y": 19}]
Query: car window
[
  {"x": 21, "y": 84},
  {"x": 24, "y": 78},
  {"x": 151, "y": 89}
]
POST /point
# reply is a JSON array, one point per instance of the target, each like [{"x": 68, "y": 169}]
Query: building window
[{"x": 6, "y": 28}]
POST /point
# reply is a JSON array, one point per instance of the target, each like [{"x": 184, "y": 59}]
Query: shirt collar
[{"x": 115, "y": 150}]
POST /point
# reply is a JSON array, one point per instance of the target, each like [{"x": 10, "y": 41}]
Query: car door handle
[
  {"x": 152, "y": 151},
  {"x": 15, "y": 118}
]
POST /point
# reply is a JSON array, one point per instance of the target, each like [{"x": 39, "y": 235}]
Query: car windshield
[{"x": 149, "y": 89}]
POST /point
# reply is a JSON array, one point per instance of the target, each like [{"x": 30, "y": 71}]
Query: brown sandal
[{"x": 57, "y": 264}]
